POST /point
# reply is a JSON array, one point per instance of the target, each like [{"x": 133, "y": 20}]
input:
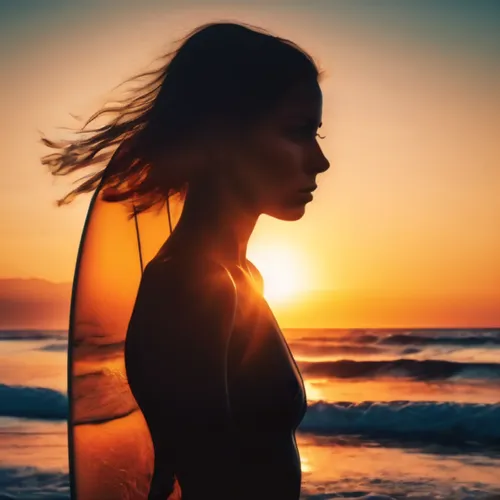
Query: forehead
[{"x": 304, "y": 100}]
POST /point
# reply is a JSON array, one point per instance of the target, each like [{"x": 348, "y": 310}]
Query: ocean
[{"x": 392, "y": 414}]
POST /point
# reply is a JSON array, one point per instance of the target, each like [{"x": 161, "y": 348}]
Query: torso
[{"x": 267, "y": 400}]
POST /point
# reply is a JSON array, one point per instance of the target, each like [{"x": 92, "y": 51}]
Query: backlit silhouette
[{"x": 181, "y": 383}]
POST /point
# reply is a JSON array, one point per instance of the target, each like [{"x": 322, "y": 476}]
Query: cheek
[{"x": 276, "y": 165}]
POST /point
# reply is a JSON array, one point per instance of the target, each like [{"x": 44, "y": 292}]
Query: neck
[{"x": 219, "y": 221}]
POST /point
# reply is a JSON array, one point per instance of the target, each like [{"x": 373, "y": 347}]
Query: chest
[{"x": 262, "y": 372}]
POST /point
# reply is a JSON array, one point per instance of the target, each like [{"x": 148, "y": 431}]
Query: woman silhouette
[{"x": 227, "y": 130}]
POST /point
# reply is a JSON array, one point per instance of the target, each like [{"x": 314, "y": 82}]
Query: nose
[
  {"x": 324, "y": 164},
  {"x": 319, "y": 162}
]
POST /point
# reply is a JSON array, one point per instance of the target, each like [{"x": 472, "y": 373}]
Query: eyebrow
[
  {"x": 307, "y": 119},
  {"x": 302, "y": 115},
  {"x": 314, "y": 122}
]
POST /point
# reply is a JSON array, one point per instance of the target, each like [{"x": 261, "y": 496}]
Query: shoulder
[
  {"x": 191, "y": 288},
  {"x": 186, "y": 310},
  {"x": 188, "y": 273},
  {"x": 257, "y": 276}
]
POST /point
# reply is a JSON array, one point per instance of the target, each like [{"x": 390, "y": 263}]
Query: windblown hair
[{"x": 231, "y": 72}]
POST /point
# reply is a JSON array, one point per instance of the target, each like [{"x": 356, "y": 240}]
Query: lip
[
  {"x": 309, "y": 189},
  {"x": 306, "y": 195}
]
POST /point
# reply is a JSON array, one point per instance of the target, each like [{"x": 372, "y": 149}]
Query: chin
[{"x": 289, "y": 213}]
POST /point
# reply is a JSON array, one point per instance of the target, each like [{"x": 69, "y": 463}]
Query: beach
[{"x": 391, "y": 413}]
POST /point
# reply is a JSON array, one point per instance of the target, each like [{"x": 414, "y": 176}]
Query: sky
[{"x": 405, "y": 225}]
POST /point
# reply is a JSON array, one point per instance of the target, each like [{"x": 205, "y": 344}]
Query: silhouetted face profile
[{"x": 273, "y": 166}]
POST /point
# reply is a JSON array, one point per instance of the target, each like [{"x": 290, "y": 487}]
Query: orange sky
[{"x": 405, "y": 226}]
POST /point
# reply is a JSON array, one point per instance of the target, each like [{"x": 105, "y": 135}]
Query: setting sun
[{"x": 282, "y": 271}]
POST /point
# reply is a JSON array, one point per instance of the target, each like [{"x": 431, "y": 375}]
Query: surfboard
[{"x": 110, "y": 450}]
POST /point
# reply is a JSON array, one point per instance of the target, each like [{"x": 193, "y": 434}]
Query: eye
[
  {"x": 308, "y": 132},
  {"x": 321, "y": 137}
]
